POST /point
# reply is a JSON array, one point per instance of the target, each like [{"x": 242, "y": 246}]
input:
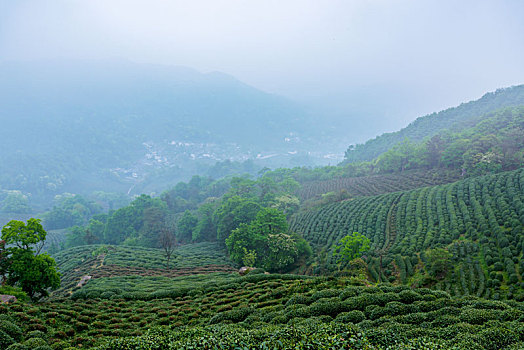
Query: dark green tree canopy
[{"x": 267, "y": 239}]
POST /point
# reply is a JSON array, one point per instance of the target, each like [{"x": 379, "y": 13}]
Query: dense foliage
[
  {"x": 69, "y": 211},
  {"x": 21, "y": 263},
  {"x": 265, "y": 239},
  {"x": 430, "y": 125},
  {"x": 491, "y": 144}
]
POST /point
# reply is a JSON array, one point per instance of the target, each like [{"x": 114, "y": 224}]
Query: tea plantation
[
  {"x": 377, "y": 184},
  {"x": 479, "y": 221},
  {"x": 116, "y": 297},
  {"x": 106, "y": 262},
  {"x": 262, "y": 311}
]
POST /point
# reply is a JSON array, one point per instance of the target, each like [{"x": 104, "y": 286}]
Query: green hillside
[
  {"x": 479, "y": 221},
  {"x": 444, "y": 268},
  {"x": 432, "y": 124}
]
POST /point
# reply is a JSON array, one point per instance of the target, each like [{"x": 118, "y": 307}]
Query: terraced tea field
[
  {"x": 275, "y": 310},
  {"x": 377, "y": 184},
  {"x": 105, "y": 261},
  {"x": 480, "y": 220}
]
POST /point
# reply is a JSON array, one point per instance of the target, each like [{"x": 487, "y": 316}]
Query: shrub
[
  {"x": 477, "y": 316},
  {"x": 330, "y": 308},
  {"x": 17, "y": 346},
  {"x": 5, "y": 340},
  {"x": 33, "y": 343},
  {"x": 235, "y": 315},
  {"x": 36, "y": 334},
  {"x": 11, "y": 329},
  {"x": 17, "y": 292},
  {"x": 297, "y": 300},
  {"x": 409, "y": 296},
  {"x": 354, "y": 316},
  {"x": 495, "y": 338}
]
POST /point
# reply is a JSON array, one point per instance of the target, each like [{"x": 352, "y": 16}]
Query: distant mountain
[
  {"x": 432, "y": 124},
  {"x": 67, "y": 126}
]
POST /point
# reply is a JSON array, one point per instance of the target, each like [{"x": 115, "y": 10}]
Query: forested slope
[
  {"x": 434, "y": 123},
  {"x": 479, "y": 221}
]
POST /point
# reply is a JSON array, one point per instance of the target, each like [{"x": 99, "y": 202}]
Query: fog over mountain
[
  {"x": 374, "y": 65},
  {"x": 79, "y": 126}
]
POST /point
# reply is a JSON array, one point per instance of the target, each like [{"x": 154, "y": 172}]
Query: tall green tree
[
  {"x": 351, "y": 246},
  {"x": 206, "y": 229},
  {"x": 185, "y": 226},
  {"x": 15, "y": 202},
  {"x": 29, "y": 237},
  {"x": 268, "y": 238},
  {"x": 35, "y": 273},
  {"x": 231, "y": 213}
]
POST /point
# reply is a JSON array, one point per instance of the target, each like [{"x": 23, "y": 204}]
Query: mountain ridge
[{"x": 433, "y": 123}]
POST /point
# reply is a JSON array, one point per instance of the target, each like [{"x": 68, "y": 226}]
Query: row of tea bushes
[
  {"x": 481, "y": 218},
  {"x": 377, "y": 184},
  {"x": 275, "y": 301},
  {"x": 100, "y": 261},
  {"x": 315, "y": 334},
  {"x": 189, "y": 255}
]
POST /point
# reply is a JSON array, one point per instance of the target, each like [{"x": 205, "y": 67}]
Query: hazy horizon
[{"x": 374, "y": 64}]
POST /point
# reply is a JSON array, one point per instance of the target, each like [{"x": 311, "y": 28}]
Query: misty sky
[{"x": 397, "y": 59}]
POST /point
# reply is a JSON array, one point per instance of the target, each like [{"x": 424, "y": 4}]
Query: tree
[
  {"x": 232, "y": 213},
  {"x": 4, "y": 263},
  {"x": 270, "y": 221},
  {"x": 249, "y": 257},
  {"x": 24, "y": 266},
  {"x": 282, "y": 250},
  {"x": 205, "y": 229},
  {"x": 186, "y": 225},
  {"x": 34, "y": 274},
  {"x": 438, "y": 260},
  {"x": 15, "y": 202},
  {"x": 153, "y": 224},
  {"x": 434, "y": 148},
  {"x": 70, "y": 210},
  {"x": 136, "y": 223},
  {"x": 25, "y": 236},
  {"x": 287, "y": 203},
  {"x": 351, "y": 246},
  {"x": 266, "y": 238},
  {"x": 168, "y": 243}
]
